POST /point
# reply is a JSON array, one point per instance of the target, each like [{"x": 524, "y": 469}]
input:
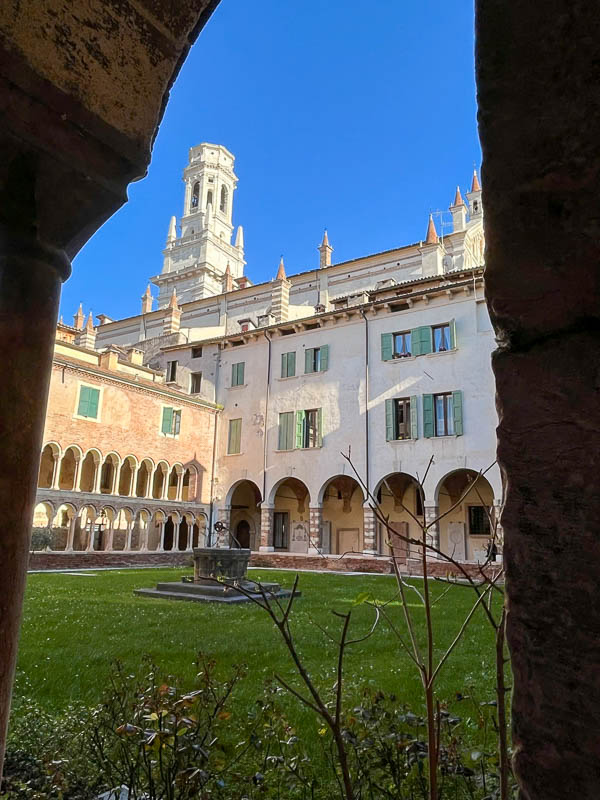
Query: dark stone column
[
  {"x": 30, "y": 280},
  {"x": 538, "y": 73}
]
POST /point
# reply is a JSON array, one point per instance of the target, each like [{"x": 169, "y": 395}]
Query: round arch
[
  {"x": 465, "y": 503},
  {"x": 49, "y": 463},
  {"x": 89, "y": 470},
  {"x": 143, "y": 481},
  {"x": 296, "y": 483},
  {"x": 341, "y": 499},
  {"x": 159, "y": 479},
  {"x": 344, "y": 482},
  {"x": 236, "y": 485},
  {"x": 71, "y": 457},
  {"x": 127, "y": 473}
]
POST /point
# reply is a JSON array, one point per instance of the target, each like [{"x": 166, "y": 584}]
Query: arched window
[
  {"x": 195, "y": 196},
  {"x": 209, "y": 198},
  {"x": 224, "y": 193}
]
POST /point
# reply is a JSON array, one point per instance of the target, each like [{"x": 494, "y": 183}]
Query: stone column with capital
[
  {"x": 266, "y": 529},
  {"x": 432, "y": 512},
  {"x": 369, "y": 531},
  {"x": 315, "y": 543},
  {"x": 71, "y": 531},
  {"x": 55, "y": 473}
]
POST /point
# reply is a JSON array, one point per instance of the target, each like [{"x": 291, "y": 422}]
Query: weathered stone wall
[
  {"x": 538, "y": 73},
  {"x": 93, "y": 560}
]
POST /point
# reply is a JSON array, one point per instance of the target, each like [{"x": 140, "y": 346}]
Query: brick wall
[
  {"x": 59, "y": 561},
  {"x": 331, "y": 563}
]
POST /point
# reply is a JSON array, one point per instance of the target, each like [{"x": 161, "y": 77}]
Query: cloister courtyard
[{"x": 77, "y": 624}]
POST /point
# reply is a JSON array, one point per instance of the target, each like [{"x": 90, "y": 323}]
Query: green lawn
[{"x": 74, "y": 626}]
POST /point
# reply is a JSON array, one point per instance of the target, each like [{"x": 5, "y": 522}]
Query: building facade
[{"x": 326, "y": 390}]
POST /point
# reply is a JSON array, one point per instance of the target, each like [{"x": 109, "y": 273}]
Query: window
[
  {"x": 280, "y": 530},
  {"x": 171, "y": 421},
  {"x": 209, "y": 199},
  {"x": 316, "y": 359},
  {"x": 309, "y": 428},
  {"x": 479, "y": 521},
  {"x": 224, "y": 195},
  {"x": 237, "y": 374},
  {"x": 89, "y": 399},
  {"x": 401, "y": 344},
  {"x": 234, "y": 441},
  {"x": 441, "y": 338},
  {"x": 195, "y": 196},
  {"x": 419, "y": 341},
  {"x": 171, "y": 371},
  {"x": 443, "y": 414},
  {"x": 401, "y": 418},
  {"x": 196, "y": 352},
  {"x": 195, "y": 382},
  {"x": 286, "y": 431},
  {"x": 288, "y": 365}
]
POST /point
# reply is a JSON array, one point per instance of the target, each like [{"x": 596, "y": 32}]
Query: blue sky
[{"x": 352, "y": 115}]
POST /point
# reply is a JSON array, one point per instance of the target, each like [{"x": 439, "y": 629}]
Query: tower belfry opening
[{"x": 195, "y": 261}]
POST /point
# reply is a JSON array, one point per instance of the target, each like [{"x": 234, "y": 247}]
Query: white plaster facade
[{"x": 223, "y": 320}]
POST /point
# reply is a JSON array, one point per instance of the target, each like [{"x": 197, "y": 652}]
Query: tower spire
[
  {"x": 78, "y": 318},
  {"x": 172, "y": 234},
  {"x": 325, "y": 251},
  {"x": 475, "y": 185},
  {"x": 458, "y": 201},
  {"x": 432, "y": 236},
  {"x": 281, "y": 271}
]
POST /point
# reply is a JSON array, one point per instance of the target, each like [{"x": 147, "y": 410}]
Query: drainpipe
[
  {"x": 367, "y": 481},
  {"x": 214, "y": 453},
  {"x": 268, "y": 338}
]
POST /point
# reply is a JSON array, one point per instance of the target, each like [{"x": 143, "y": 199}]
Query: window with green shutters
[
  {"x": 234, "y": 441},
  {"x": 419, "y": 341},
  {"x": 443, "y": 414},
  {"x": 316, "y": 359},
  {"x": 171, "y": 421},
  {"x": 237, "y": 374},
  {"x": 309, "y": 428},
  {"x": 286, "y": 431},
  {"x": 401, "y": 418},
  {"x": 89, "y": 399},
  {"x": 288, "y": 365}
]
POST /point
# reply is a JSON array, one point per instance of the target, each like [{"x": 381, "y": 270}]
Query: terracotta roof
[
  {"x": 281, "y": 271},
  {"x": 475, "y": 186},
  {"x": 458, "y": 201}
]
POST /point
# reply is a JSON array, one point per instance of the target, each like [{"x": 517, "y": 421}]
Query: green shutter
[
  {"x": 390, "y": 433},
  {"x": 285, "y": 419},
  {"x": 234, "y": 374},
  {"x": 167, "y": 420},
  {"x": 414, "y": 418},
  {"x": 94, "y": 398},
  {"x": 324, "y": 357},
  {"x": 308, "y": 359},
  {"x": 241, "y": 367},
  {"x": 235, "y": 436},
  {"x": 452, "y": 324},
  {"x": 299, "y": 427},
  {"x": 421, "y": 341},
  {"x": 284, "y": 365},
  {"x": 237, "y": 374},
  {"x": 387, "y": 346},
  {"x": 84, "y": 401},
  {"x": 428, "y": 423},
  {"x": 291, "y": 364},
  {"x": 457, "y": 411},
  {"x": 320, "y": 426}
]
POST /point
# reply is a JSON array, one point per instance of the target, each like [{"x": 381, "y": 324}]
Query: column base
[
  {"x": 266, "y": 549},
  {"x": 370, "y": 553},
  {"x": 313, "y": 551}
]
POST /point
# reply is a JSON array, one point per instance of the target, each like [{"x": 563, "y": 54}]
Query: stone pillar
[
  {"x": 433, "y": 533},
  {"x": 77, "y": 475},
  {"x": 190, "y": 536},
  {"x": 90, "y": 542},
  {"x": 71, "y": 532},
  {"x": 369, "y": 531},
  {"x": 266, "y": 529},
  {"x": 179, "y": 486},
  {"x": 541, "y": 185},
  {"x": 110, "y": 534},
  {"x": 97, "y": 477},
  {"x": 134, "y": 473},
  {"x": 164, "y": 489},
  {"x": 55, "y": 472},
  {"x": 30, "y": 276},
  {"x": 315, "y": 530},
  {"x": 161, "y": 541},
  {"x": 129, "y": 536}
]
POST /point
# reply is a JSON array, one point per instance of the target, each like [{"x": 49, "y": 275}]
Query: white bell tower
[{"x": 196, "y": 258}]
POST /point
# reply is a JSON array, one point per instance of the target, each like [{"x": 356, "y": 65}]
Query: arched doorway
[
  {"x": 400, "y": 501},
  {"x": 290, "y": 526},
  {"x": 242, "y": 534},
  {"x": 466, "y": 501},
  {"x": 244, "y": 499},
  {"x": 342, "y": 515}
]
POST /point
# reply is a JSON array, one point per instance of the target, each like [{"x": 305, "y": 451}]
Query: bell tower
[{"x": 196, "y": 256}]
